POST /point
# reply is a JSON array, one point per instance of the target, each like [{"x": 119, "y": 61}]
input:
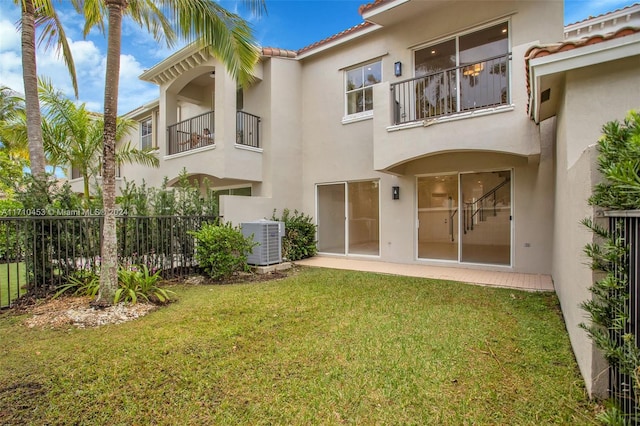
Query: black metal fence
[
  {"x": 40, "y": 253},
  {"x": 622, "y": 388}
]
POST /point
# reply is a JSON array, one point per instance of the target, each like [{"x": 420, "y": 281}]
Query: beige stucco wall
[
  {"x": 592, "y": 96},
  {"x": 335, "y": 152},
  {"x": 277, "y": 100}
]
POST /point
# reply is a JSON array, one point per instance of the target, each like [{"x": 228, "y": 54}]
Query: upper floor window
[
  {"x": 239, "y": 99},
  {"x": 466, "y": 72},
  {"x": 359, "y": 90},
  {"x": 146, "y": 134}
]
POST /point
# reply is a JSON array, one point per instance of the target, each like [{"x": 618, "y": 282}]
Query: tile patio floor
[{"x": 527, "y": 282}]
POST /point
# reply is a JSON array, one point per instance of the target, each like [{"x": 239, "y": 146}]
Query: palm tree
[
  {"x": 11, "y": 111},
  {"x": 13, "y": 154},
  {"x": 226, "y": 35},
  {"x": 74, "y": 136},
  {"x": 39, "y": 13}
]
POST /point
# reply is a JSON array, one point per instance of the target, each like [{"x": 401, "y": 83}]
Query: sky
[{"x": 288, "y": 24}]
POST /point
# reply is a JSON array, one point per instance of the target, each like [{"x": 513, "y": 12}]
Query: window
[
  {"x": 146, "y": 134},
  {"x": 359, "y": 90},
  {"x": 239, "y": 99},
  {"x": 463, "y": 73}
]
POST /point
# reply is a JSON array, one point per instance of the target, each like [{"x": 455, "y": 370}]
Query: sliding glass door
[
  {"x": 438, "y": 217},
  {"x": 349, "y": 218},
  {"x": 486, "y": 236},
  {"x": 465, "y": 217},
  {"x": 331, "y": 218}
]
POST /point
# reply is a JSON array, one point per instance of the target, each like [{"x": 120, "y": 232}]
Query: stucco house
[{"x": 434, "y": 132}]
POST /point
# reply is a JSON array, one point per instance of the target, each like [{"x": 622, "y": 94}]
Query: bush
[
  {"x": 80, "y": 283},
  {"x": 11, "y": 245},
  {"x": 139, "y": 283},
  {"x": 619, "y": 151},
  {"x": 222, "y": 250},
  {"x": 299, "y": 241}
]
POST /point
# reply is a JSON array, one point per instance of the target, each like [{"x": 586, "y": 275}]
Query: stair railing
[{"x": 477, "y": 207}]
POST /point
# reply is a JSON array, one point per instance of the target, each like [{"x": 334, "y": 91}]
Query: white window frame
[
  {"x": 362, "y": 115},
  {"x": 148, "y": 136}
]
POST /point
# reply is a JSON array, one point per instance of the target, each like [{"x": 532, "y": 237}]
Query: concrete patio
[{"x": 527, "y": 282}]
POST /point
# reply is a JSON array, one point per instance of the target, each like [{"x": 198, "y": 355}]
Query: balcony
[
  {"x": 195, "y": 132},
  {"x": 466, "y": 108},
  {"x": 199, "y": 131},
  {"x": 456, "y": 90}
]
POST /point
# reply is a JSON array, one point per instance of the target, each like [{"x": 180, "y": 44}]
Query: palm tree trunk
[
  {"x": 109, "y": 262},
  {"x": 30, "y": 79},
  {"x": 85, "y": 184}
]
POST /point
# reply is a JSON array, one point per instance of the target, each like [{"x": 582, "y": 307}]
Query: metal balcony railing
[
  {"x": 463, "y": 88},
  {"x": 198, "y": 131},
  {"x": 195, "y": 132},
  {"x": 247, "y": 129}
]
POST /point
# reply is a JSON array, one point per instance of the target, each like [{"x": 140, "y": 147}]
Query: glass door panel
[
  {"x": 438, "y": 217},
  {"x": 484, "y": 73},
  {"x": 331, "y": 218},
  {"x": 436, "y": 91},
  {"x": 364, "y": 213},
  {"x": 486, "y": 219}
]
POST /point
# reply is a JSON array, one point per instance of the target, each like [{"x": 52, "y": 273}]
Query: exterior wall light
[
  {"x": 395, "y": 193},
  {"x": 397, "y": 69}
]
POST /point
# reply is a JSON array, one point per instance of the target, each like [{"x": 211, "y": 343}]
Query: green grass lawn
[
  {"x": 318, "y": 347},
  {"x": 12, "y": 279}
]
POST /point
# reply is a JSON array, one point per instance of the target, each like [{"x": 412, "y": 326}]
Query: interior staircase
[{"x": 484, "y": 218}]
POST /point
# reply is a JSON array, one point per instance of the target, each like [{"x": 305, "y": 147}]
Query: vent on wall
[
  {"x": 545, "y": 96},
  {"x": 268, "y": 235}
]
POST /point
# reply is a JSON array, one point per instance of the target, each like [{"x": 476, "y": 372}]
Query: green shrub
[
  {"x": 299, "y": 241},
  {"x": 222, "y": 250},
  {"x": 81, "y": 283},
  {"x": 619, "y": 163},
  {"x": 139, "y": 283},
  {"x": 11, "y": 245}
]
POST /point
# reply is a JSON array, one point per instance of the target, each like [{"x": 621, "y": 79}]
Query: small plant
[
  {"x": 612, "y": 415},
  {"x": 139, "y": 283},
  {"x": 222, "y": 250},
  {"x": 299, "y": 240},
  {"x": 82, "y": 283}
]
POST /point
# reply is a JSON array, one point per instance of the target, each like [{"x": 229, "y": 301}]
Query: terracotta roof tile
[
  {"x": 341, "y": 34},
  {"x": 363, "y": 8},
  {"x": 539, "y": 51},
  {"x": 277, "y": 52},
  {"x": 546, "y": 50}
]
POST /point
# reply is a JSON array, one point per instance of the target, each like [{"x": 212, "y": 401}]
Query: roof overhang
[
  {"x": 185, "y": 59},
  {"x": 389, "y": 12},
  {"x": 143, "y": 110},
  {"x": 350, "y": 34},
  {"x": 546, "y": 73}
]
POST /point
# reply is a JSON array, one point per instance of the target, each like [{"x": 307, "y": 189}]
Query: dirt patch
[{"x": 75, "y": 311}]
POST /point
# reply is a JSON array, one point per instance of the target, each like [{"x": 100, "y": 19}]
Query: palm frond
[
  {"x": 52, "y": 32},
  {"x": 128, "y": 155}
]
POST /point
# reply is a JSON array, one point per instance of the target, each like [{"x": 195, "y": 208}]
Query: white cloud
[
  {"x": 9, "y": 36},
  {"x": 11, "y": 71}
]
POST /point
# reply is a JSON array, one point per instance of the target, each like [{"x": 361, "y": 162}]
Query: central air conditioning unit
[{"x": 268, "y": 235}]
